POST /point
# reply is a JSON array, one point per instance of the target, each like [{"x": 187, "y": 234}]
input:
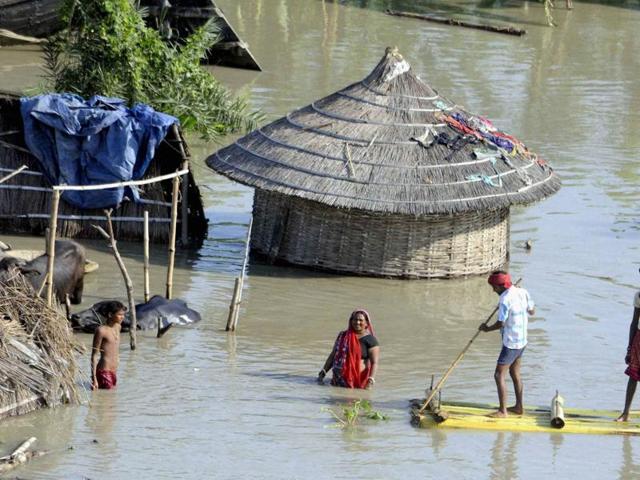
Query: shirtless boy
[{"x": 106, "y": 342}]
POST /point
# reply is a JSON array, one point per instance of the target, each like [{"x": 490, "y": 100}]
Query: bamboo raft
[{"x": 466, "y": 415}]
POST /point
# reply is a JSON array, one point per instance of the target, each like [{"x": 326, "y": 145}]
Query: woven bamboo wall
[{"x": 306, "y": 233}]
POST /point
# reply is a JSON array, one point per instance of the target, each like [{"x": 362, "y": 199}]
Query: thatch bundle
[
  {"x": 37, "y": 361},
  {"x": 25, "y": 200},
  {"x": 391, "y": 148}
]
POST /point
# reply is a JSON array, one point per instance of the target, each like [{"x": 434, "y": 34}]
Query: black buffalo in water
[
  {"x": 68, "y": 270},
  {"x": 169, "y": 312}
]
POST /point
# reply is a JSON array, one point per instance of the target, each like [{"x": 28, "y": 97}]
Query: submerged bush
[{"x": 106, "y": 49}]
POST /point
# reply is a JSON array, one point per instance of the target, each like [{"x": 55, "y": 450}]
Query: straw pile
[{"x": 37, "y": 363}]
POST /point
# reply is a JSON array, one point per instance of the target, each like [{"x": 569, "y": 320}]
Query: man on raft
[
  {"x": 514, "y": 307},
  {"x": 632, "y": 359},
  {"x": 354, "y": 358}
]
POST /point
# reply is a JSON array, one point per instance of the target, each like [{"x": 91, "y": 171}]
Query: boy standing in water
[
  {"x": 632, "y": 360},
  {"x": 106, "y": 343},
  {"x": 514, "y": 308}
]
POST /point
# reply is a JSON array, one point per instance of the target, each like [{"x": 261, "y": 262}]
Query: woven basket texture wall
[{"x": 307, "y": 233}]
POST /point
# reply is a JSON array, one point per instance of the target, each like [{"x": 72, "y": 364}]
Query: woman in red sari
[{"x": 355, "y": 354}]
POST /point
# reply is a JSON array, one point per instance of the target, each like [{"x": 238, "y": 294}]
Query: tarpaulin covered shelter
[
  {"x": 64, "y": 140},
  {"x": 385, "y": 177}
]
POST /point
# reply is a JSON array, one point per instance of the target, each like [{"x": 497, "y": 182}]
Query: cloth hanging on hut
[{"x": 92, "y": 142}]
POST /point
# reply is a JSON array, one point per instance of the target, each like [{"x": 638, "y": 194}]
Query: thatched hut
[
  {"x": 385, "y": 177},
  {"x": 37, "y": 352},
  {"x": 25, "y": 198}
]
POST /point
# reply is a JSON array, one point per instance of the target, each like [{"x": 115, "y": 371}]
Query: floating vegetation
[{"x": 349, "y": 415}]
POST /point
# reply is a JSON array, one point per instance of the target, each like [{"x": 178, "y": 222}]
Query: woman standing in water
[{"x": 355, "y": 354}]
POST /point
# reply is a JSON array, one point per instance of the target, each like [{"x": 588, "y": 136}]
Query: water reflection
[
  {"x": 504, "y": 456},
  {"x": 630, "y": 467}
]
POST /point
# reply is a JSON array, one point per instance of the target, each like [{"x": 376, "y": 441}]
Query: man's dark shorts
[{"x": 509, "y": 355}]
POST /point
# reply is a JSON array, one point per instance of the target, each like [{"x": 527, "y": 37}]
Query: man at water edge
[
  {"x": 514, "y": 307},
  {"x": 632, "y": 360}
]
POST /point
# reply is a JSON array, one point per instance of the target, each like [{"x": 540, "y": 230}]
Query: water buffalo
[
  {"x": 169, "y": 312},
  {"x": 68, "y": 270}
]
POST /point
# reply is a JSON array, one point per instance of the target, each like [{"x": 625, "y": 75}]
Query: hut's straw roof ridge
[{"x": 391, "y": 144}]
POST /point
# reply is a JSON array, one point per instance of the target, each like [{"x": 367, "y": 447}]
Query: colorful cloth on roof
[{"x": 347, "y": 358}]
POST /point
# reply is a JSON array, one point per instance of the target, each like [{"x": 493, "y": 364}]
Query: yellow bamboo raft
[{"x": 465, "y": 415}]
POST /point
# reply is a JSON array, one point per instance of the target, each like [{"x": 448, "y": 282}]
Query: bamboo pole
[
  {"x": 184, "y": 234},
  {"x": 146, "y": 256},
  {"x": 172, "y": 237},
  {"x": 242, "y": 273},
  {"x": 127, "y": 279},
  {"x": 233, "y": 306},
  {"x": 434, "y": 391},
  {"x": 557, "y": 411},
  {"x": 51, "y": 247},
  {"x": 509, "y": 30},
  {"x": 19, "y": 456},
  {"x": 129, "y": 183},
  {"x": 12, "y": 174}
]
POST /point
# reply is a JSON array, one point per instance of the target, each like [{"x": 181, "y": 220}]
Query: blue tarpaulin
[{"x": 92, "y": 142}]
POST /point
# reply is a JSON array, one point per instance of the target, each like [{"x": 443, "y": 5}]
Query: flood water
[{"x": 201, "y": 403}]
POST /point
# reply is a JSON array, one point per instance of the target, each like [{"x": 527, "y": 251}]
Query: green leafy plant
[
  {"x": 348, "y": 415},
  {"x": 107, "y": 49}
]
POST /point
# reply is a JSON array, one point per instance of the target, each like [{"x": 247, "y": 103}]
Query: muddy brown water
[{"x": 203, "y": 404}]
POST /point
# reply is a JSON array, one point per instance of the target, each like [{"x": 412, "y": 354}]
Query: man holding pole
[{"x": 514, "y": 307}]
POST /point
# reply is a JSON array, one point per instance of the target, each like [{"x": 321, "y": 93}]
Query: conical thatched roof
[{"x": 391, "y": 144}]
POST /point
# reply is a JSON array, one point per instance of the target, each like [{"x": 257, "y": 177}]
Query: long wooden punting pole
[
  {"x": 13, "y": 174},
  {"x": 234, "y": 308},
  {"x": 172, "y": 237},
  {"x": 435, "y": 391},
  {"x": 51, "y": 248},
  {"x": 146, "y": 256},
  {"x": 509, "y": 30}
]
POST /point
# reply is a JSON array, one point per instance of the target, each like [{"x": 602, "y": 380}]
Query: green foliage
[
  {"x": 349, "y": 414},
  {"x": 107, "y": 49}
]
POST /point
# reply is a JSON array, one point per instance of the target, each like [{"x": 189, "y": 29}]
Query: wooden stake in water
[
  {"x": 172, "y": 237},
  {"x": 51, "y": 248},
  {"x": 146, "y": 256},
  {"x": 234, "y": 308}
]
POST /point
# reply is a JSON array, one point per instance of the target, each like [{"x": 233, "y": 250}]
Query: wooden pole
[
  {"x": 172, "y": 237},
  {"x": 509, "y": 30},
  {"x": 20, "y": 456},
  {"x": 127, "y": 279},
  {"x": 233, "y": 306},
  {"x": 440, "y": 383},
  {"x": 13, "y": 174},
  {"x": 184, "y": 237},
  {"x": 146, "y": 256},
  {"x": 184, "y": 232},
  {"x": 51, "y": 248},
  {"x": 242, "y": 274}
]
